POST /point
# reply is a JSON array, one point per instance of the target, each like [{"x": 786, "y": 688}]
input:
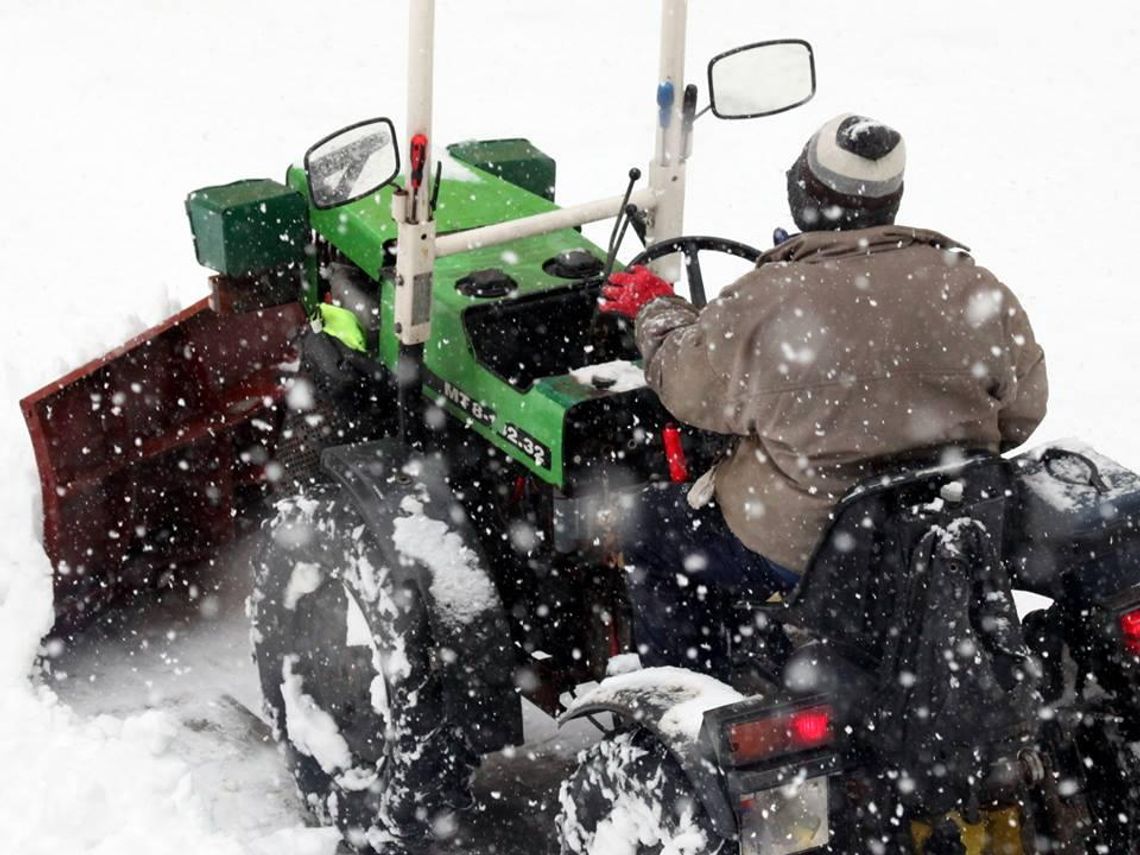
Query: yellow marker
[{"x": 342, "y": 325}]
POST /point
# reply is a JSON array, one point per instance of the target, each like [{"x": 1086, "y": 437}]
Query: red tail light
[
  {"x": 1130, "y": 630},
  {"x": 785, "y": 733},
  {"x": 812, "y": 727}
]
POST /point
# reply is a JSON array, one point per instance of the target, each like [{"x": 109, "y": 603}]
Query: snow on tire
[
  {"x": 629, "y": 796},
  {"x": 348, "y": 678}
]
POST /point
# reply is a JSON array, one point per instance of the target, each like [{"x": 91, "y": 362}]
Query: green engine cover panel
[
  {"x": 525, "y": 424},
  {"x": 248, "y": 226},
  {"x": 514, "y": 160}
]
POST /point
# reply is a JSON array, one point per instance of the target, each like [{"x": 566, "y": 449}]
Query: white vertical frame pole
[
  {"x": 421, "y": 83},
  {"x": 415, "y": 248},
  {"x": 667, "y": 171}
]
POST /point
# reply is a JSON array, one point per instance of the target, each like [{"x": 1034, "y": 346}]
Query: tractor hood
[{"x": 469, "y": 197}]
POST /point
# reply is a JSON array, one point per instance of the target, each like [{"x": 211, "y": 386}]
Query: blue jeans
[{"x": 686, "y": 571}]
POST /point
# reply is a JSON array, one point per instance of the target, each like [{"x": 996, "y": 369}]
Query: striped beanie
[{"x": 848, "y": 176}]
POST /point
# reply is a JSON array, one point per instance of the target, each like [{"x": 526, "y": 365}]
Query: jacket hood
[{"x": 818, "y": 246}]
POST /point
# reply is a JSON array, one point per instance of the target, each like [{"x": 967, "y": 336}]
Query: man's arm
[
  {"x": 687, "y": 361},
  {"x": 1025, "y": 401}
]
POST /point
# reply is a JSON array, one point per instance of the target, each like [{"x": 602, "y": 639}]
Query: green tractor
[
  {"x": 406, "y": 356},
  {"x": 410, "y": 365},
  {"x": 470, "y": 435}
]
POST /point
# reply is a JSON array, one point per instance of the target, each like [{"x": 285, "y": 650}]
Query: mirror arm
[
  {"x": 706, "y": 109},
  {"x": 435, "y": 187},
  {"x": 688, "y": 116}
]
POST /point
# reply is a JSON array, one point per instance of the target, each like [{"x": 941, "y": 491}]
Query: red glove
[{"x": 628, "y": 292}]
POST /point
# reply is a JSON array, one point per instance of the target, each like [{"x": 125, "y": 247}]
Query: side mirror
[
  {"x": 762, "y": 79},
  {"x": 352, "y": 163}
]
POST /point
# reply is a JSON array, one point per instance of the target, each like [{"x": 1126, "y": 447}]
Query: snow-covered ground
[{"x": 1022, "y": 144}]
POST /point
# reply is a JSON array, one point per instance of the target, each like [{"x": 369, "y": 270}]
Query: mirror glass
[
  {"x": 761, "y": 79},
  {"x": 352, "y": 163}
]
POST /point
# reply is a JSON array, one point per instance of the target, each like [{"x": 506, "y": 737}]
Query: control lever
[
  {"x": 620, "y": 224},
  {"x": 598, "y": 334}
]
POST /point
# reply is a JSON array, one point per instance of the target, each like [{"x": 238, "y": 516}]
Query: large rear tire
[
  {"x": 349, "y": 678},
  {"x": 629, "y": 796}
]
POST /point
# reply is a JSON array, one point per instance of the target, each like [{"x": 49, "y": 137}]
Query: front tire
[
  {"x": 349, "y": 678},
  {"x": 629, "y": 795}
]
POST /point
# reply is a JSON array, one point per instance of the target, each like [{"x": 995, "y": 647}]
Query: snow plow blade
[{"x": 148, "y": 455}]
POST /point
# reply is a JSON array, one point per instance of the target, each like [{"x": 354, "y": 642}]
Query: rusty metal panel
[{"x": 148, "y": 454}]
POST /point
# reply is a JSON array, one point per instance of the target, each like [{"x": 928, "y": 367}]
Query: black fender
[
  {"x": 670, "y": 703},
  {"x": 409, "y": 508}
]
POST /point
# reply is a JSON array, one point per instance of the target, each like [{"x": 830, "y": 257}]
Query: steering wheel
[{"x": 691, "y": 246}]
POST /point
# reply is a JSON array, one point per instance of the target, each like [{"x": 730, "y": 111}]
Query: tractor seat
[{"x": 850, "y": 590}]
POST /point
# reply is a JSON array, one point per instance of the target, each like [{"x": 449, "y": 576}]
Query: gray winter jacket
[{"x": 839, "y": 349}]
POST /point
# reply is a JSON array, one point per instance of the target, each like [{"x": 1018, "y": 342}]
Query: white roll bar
[
  {"x": 421, "y": 86},
  {"x": 667, "y": 171},
  {"x": 417, "y": 244},
  {"x": 539, "y": 224},
  {"x": 411, "y": 207}
]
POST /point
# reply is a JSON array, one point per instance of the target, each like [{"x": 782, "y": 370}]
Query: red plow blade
[{"x": 148, "y": 455}]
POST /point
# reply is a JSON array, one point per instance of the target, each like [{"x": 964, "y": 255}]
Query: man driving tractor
[{"x": 851, "y": 345}]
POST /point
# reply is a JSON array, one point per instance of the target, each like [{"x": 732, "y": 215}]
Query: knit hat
[{"x": 848, "y": 176}]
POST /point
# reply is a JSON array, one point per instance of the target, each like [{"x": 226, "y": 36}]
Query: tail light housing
[
  {"x": 791, "y": 732},
  {"x": 759, "y": 733},
  {"x": 777, "y": 758}
]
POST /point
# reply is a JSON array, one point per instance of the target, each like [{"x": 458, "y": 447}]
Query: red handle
[
  {"x": 419, "y": 157},
  {"x": 675, "y": 454}
]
